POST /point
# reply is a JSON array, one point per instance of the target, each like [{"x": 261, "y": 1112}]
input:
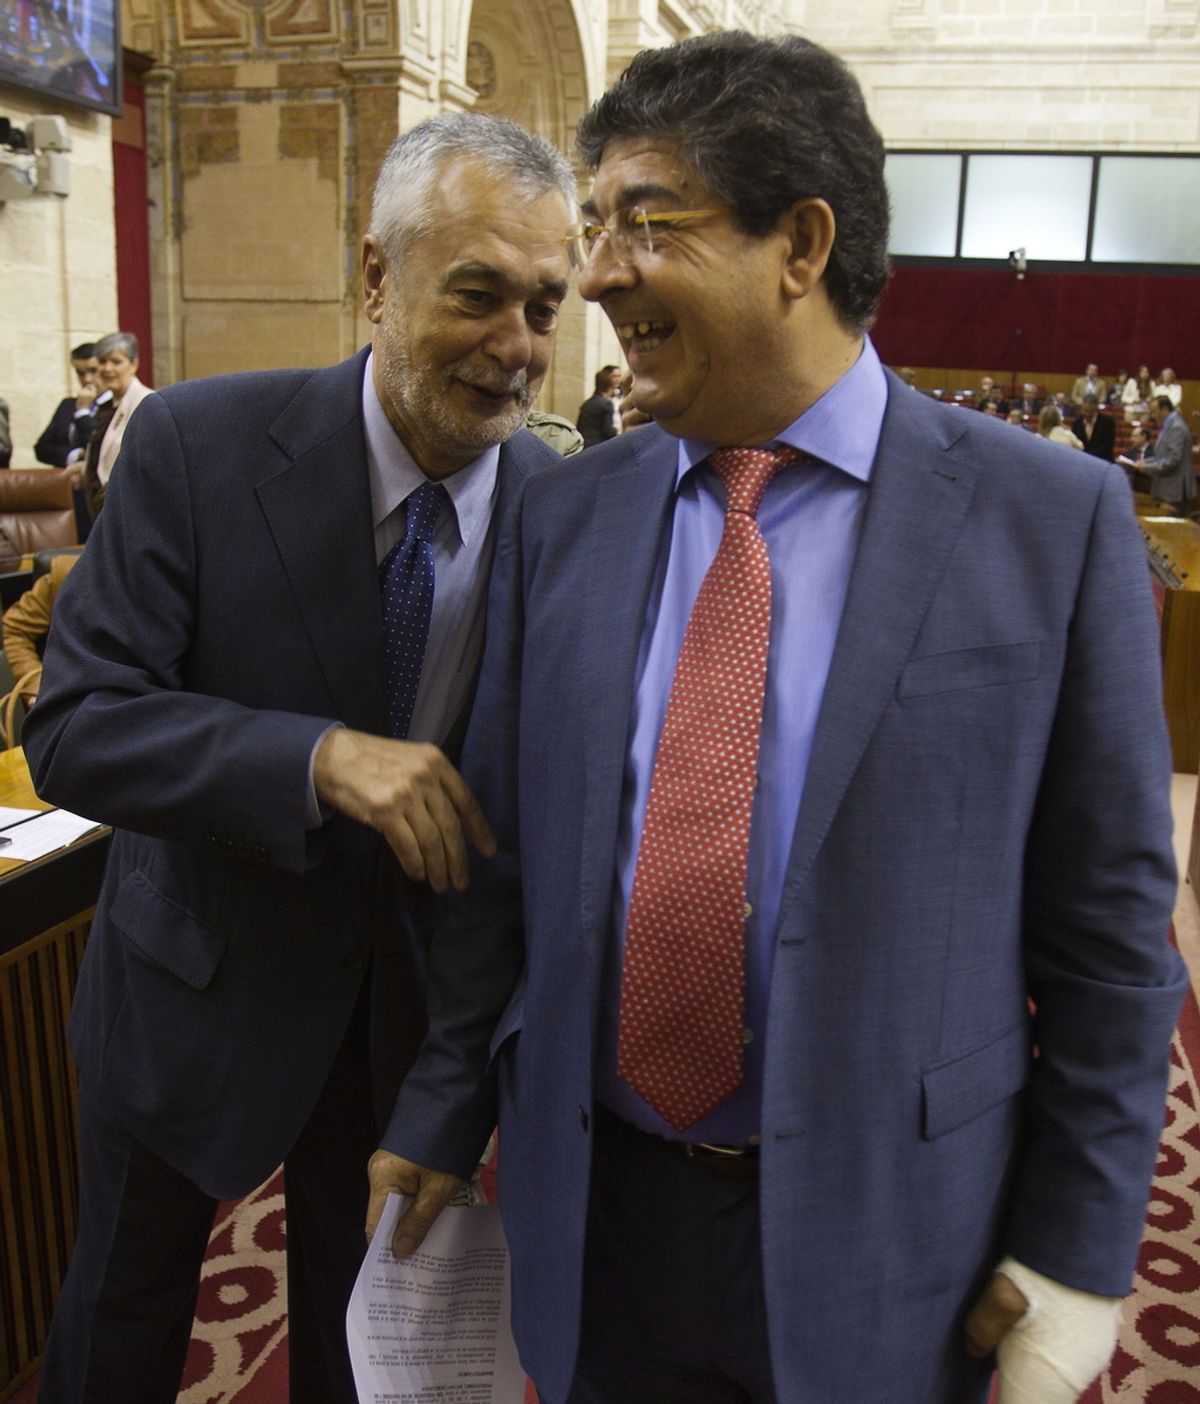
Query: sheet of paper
[
  {"x": 11, "y": 816},
  {"x": 434, "y": 1329},
  {"x": 46, "y": 834}
]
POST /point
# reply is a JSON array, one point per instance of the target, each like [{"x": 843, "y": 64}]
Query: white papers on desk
[
  {"x": 14, "y": 816},
  {"x": 434, "y": 1328},
  {"x": 50, "y": 831}
]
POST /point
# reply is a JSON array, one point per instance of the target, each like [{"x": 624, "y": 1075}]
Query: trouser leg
[
  {"x": 325, "y": 1178},
  {"x": 123, "y": 1319}
]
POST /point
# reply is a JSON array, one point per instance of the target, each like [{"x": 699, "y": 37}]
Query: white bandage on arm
[{"x": 1061, "y": 1343}]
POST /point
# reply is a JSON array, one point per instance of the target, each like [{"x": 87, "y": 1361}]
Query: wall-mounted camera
[
  {"x": 1016, "y": 261},
  {"x": 33, "y": 158}
]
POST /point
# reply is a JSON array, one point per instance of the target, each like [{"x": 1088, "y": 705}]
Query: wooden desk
[
  {"x": 1173, "y": 547},
  {"x": 45, "y": 913}
]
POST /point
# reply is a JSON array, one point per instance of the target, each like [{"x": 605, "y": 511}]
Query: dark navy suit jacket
[
  {"x": 984, "y": 823},
  {"x": 227, "y": 612}
]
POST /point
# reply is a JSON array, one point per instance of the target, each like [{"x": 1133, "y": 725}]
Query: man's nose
[
  {"x": 510, "y": 343},
  {"x": 602, "y": 272}
]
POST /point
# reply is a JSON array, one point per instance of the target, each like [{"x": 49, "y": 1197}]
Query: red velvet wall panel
[
  {"x": 130, "y": 199},
  {"x": 1050, "y": 322}
]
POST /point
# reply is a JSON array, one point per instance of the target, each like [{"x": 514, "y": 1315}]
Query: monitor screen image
[{"x": 68, "y": 50}]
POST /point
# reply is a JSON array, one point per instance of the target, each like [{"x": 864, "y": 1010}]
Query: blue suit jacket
[
  {"x": 227, "y": 611},
  {"x": 984, "y": 821}
]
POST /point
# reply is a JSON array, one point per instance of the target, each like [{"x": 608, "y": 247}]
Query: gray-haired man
[{"x": 230, "y": 690}]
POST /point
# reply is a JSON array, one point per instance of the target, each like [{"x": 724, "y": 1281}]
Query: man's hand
[
  {"x": 431, "y": 1191},
  {"x": 631, "y": 416},
  {"x": 86, "y": 396},
  {"x": 992, "y": 1317},
  {"x": 409, "y": 792}
]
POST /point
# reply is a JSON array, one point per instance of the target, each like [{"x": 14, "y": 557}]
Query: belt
[{"x": 723, "y": 1162}]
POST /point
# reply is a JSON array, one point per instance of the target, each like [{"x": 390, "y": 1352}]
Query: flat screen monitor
[{"x": 67, "y": 50}]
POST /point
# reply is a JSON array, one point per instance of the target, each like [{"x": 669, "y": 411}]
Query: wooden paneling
[
  {"x": 38, "y": 1105},
  {"x": 1173, "y": 545}
]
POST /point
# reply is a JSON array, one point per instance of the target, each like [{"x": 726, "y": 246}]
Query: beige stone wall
[
  {"x": 1022, "y": 74},
  {"x": 57, "y": 269},
  {"x": 265, "y": 124}
]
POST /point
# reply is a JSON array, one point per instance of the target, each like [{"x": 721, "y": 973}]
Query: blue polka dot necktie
[{"x": 406, "y": 590}]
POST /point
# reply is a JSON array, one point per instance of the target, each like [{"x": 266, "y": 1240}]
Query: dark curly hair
[{"x": 764, "y": 123}]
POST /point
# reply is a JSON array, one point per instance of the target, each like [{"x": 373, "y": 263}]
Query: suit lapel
[
  {"x": 318, "y": 508},
  {"x": 631, "y": 508},
  {"x": 918, "y": 499}
]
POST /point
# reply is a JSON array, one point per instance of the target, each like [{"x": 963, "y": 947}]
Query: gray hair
[
  {"x": 124, "y": 342},
  {"x": 400, "y": 207}
]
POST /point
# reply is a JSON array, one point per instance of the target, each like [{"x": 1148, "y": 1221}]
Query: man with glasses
[
  {"x": 836, "y": 750},
  {"x": 255, "y": 674}
]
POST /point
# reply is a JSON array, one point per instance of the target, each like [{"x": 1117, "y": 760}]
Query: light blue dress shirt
[
  {"x": 810, "y": 518},
  {"x": 463, "y": 546}
]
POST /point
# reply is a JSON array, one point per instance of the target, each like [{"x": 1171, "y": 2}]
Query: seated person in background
[
  {"x": 1169, "y": 463},
  {"x": 1050, "y": 426},
  {"x": 1015, "y": 416},
  {"x": 64, "y": 440},
  {"x": 1095, "y": 431},
  {"x": 1028, "y": 404},
  {"x": 1139, "y": 445},
  {"x": 5, "y": 436},
  {"x": 117, "y": 355},
  {"x": 1117, "y": 388},
  {"x": 989, "y": 407},
  {"x": 597, "y": 420},
  {"x": 1089, "y": 383},
  {"x": 1168, "y": 386},
  {"x": 27, "y": 622},
  {"x": 989, "y": 393},
  {"x": 1136, "y": 392}
]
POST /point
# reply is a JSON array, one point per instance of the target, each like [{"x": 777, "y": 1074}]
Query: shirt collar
[
  {"x": 842, "y": 428},
  {"x": 395, "y": 475}
]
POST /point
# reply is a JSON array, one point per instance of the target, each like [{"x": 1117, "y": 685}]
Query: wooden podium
[{"x": 1173, "y": 549}]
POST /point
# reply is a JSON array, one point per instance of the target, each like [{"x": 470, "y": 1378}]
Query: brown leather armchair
[{"x": 37, "y": 510}]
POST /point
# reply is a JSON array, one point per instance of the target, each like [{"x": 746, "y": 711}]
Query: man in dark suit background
[
  {"x": 1095, "y": 431},
  {"x": 65, "y": 438},
  {"x": 749, "y": 978},
  {"x": 216, "y": 688},
  {"x": 596, "y": 420}
]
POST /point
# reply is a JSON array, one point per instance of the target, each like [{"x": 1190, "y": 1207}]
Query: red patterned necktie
[{"x": 683, "y": 977}]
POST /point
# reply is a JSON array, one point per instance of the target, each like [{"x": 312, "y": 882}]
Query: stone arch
[{"x": 533, "y": 62}]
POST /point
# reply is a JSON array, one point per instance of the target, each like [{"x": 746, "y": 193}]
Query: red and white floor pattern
[
  {"x": 1157, "y": 1360},
  {"x": 238, "y": 1350}
]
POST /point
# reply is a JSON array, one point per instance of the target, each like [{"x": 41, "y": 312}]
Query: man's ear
[
  {"x": 809, "y": 227},
  {"x": 374, "y": 277}
]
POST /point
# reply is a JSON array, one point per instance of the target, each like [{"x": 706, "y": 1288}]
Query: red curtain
[{"x": 1049, "y": 322}]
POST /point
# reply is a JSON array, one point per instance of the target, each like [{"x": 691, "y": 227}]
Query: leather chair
[{"x": 37, "y": 510}]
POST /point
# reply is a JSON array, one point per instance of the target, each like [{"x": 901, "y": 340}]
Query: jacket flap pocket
[
  {"x": 166, "y": 933},
  {"x": 959, "y": 1091},
  {"x": 964, "y": 668}
]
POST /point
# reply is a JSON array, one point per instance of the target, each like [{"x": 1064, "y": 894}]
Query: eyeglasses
[{"x": 633, "y": 233}]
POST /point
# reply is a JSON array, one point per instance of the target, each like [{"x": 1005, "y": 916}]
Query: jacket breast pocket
[
  {"x": 993, "y": 665},
  {"x": 166, "y": 933},
  {"x": 958, "y": 1091}
]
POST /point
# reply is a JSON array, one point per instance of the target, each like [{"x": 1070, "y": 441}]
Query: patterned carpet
[{"x": 238, "y": 1353}]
